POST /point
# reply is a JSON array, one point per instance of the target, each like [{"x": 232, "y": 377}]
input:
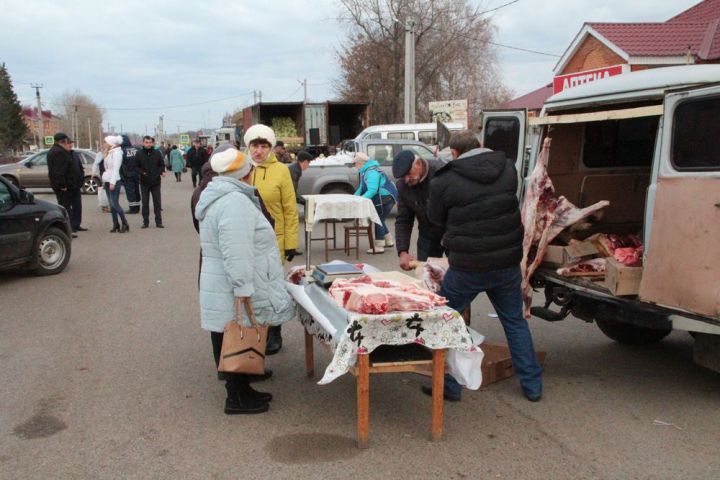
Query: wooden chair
[{"x": 356, "y": 230}]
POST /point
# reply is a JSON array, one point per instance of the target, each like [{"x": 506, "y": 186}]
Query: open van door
[
  {"x": 682, "y": 224},
  {"x": 505, "y": 131}
]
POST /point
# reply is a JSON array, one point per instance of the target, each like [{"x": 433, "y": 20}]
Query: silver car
[{"x": 32, "y": 172}]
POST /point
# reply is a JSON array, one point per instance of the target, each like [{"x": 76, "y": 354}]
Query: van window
[
  {"x": 695, "y": 135},
  {"x": 502, "y": 134},
  {"x": 428, "y": 137},
  {"x": 620, "y": 143},
  {"x": 401, "y": 135},
  {"x": 373, "y": 135},
  {"x": 421, "y": 152}
]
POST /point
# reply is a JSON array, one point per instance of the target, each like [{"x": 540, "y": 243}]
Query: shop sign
[
  {"x": 563, "y": 82},
  {"x": 449, "y": 111}
]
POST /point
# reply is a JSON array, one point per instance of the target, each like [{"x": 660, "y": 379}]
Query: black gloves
[{"x": 290, "y": 254}]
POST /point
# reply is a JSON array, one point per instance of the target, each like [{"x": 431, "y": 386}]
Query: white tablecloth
[{"x": 336, "y": 206}]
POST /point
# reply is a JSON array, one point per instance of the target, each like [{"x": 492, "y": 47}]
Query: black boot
[
  {"x": 125, "y": 228},
  {"x": 240, "y": 401},
  {"x": 258, "y": 395},
  {"x": 116, "y": 228},
  {"x": 274, "y": 341}
]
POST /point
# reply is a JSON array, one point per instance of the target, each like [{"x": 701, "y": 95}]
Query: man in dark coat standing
[
  {"x": 302, "y": 162},
  {"x": 151, "y": 168},
  {"x": 196, "y": 157},
  {"x": 474, "y": 198},
  {"x": 413, "y": 176},
  {"x": 63, "y": 179}
]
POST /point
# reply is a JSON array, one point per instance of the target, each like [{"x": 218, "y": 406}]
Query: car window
[
  {"x": 502, "y": 134},
  {"x": 694, "y": 136},
  {"x": 87, "y": 158},
  {"x": 401, "y": 135},
  {"x": 6, "y": 200},
  {"x": 40, "y": 159},
  {"x": 420, "y": 151},
  {"x": 381, "y": 153}
]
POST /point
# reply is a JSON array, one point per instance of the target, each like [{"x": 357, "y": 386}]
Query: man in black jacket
[
  {"x": 413, "y": 176},
  {"x": 195, "y": 159},
  {"x": 129, "y": 175},
  {"x": 474, "y": 198},
  {"x": 302, "y": 161},
  {"x": 151, "y": 168},
  {"x": 61, "y": 173}
]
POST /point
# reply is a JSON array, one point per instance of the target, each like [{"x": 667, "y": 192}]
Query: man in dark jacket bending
[
  {"x": 150, "y": 166},
  {"x": 413, "y": 176},
  {"x": 474, "y": 198}
]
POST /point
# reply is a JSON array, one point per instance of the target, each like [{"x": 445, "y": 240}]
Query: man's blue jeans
[{"x": 503, "y": 289}]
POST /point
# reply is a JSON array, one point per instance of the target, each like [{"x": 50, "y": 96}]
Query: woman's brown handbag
[{"x": 243, "y": 348}]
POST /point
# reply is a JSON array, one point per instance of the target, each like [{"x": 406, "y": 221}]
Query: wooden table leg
[
  {"x": 363, "y": 399},
  {"x": 309, "y": 357},
  {"x": 438, "y": 384},
  {"x": 357, "y": 239}
]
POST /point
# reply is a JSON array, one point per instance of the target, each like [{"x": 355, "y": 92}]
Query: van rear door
[
  {"x": 505, "y": 131},
  {"x": 682, "y": 233}
]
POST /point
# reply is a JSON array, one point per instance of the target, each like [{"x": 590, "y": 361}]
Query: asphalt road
[{"x": 107, "y": 374}]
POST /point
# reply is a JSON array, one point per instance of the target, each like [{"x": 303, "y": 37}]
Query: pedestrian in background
[
  {"x": 176, "y": 163},
  {"x": 196, "y": 157},
  {"x": 60, "y": 171},
  {"x": 151, "y": 168},
  {"x": 113, "y": 159},
  {"x": 375, "y": 185},
  {"x": 302, "y": 162},
  {"x": 281, "y": 153},
  {"x": 240, "y": 260},
  {"x": 129, "y": 176},
  {"x": 78, "y": 172},
  {"x": 273, "y": 182}
]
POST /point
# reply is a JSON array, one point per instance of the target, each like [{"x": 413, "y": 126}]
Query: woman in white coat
[
  {"x": 112, "y": 183},
  {"x": 240, "y": 259}
]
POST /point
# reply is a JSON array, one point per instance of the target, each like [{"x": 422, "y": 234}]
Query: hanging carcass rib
[{"x": 544, "y": 216}]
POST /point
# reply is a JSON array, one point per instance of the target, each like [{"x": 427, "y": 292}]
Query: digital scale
[{"x": 329, "y": 272}]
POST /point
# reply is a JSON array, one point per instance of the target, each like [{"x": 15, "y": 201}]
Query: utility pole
[
  {"x": 41, "y": 127},
  {"x": 254, "y": 97},
  {"x": 89, "y": 135},
  {"x": 75, "y": 132},
  {"x": 410, "y": 72},
  {"x": 259, "y": 96},
  {"x": 161, "y": 129},
  {"x": 304, "y": 84}
]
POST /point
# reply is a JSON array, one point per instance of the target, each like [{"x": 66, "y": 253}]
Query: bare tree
[
  {"x": 80, "y": 107},
  {"x": 453, "y": 56}
]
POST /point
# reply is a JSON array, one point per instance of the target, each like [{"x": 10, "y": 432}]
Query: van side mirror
[
  {"x": 26, "y": 197},
  {"x": 29, "y": 164}
]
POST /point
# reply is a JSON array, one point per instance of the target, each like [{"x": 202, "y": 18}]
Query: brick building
[
  {"x": 600, "y": 50},
  {"x": 30, "y": 117}
]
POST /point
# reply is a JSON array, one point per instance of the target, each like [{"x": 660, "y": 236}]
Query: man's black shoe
[
  {"x": 144, "y": 225},
  {"x": 159, "y": 225},
  {"x": 450, "y": 398},
  {"x": 80, "y": 229},
  {"x": 533, "y": 397},
  {"x": 74, "y": 235}
]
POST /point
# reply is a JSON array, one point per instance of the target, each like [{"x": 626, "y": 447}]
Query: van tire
[{"x": 628, "y": 334}]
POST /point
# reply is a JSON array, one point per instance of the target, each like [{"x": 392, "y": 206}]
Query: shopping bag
[
  {"x": 243, "y": 348},
  {"x": 102, "y": 198}
]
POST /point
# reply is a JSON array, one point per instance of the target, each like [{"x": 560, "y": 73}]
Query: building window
[
  {"x": 620, "y": 143},
  {"x": 695, "y": 132}
]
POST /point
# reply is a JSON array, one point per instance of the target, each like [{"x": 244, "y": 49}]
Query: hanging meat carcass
[{"x": 544, "y": 216}]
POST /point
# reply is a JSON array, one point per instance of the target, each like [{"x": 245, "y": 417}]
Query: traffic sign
[
  {"x": 185, "y": 138},
  {"x": 49, "y": 139}
]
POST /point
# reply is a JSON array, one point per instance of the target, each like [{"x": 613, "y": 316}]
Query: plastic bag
[{"x": 102, "y": 198}]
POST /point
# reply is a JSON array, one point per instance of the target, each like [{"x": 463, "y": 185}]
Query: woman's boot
[
  {"x": 241, "y": 401},
  {"x": 125, "y": 228},
  {"x": 116, "y": 228},
  {"x": 274, "y": 341}
]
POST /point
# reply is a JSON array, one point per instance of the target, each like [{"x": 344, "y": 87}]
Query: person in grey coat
[{"x": 240, "y": 259}]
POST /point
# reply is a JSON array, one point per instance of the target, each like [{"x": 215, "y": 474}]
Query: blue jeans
[
  {"x": 503, "y": 289},
  {"x": 114, "y": 203},
  {"x": 383, "y": 211}
]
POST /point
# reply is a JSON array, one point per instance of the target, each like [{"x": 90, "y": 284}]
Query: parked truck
[
  {"x": 316, "y": 126},
  {"x": 647, "y": 142}
]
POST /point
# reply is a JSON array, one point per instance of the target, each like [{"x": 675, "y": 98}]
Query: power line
[
  {"x": 167, "y": 107},
  {"x": 498, "y": 8},
  {"x": 512, "y": 47}
]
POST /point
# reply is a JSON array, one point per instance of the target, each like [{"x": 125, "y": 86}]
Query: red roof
[
  {"x": 662, "y": 39},
  {"x": 31, "y": 113},
  {"x": 532, "y": 101},
  {"x": 705, "y": 11}
]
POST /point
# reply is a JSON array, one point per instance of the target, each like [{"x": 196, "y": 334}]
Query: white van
[
  {"x": 423, "y": 132},
  {"x": 647, "y": 142}
]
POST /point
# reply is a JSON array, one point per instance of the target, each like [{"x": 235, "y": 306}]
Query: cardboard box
[
  {"x": 621, "y": 279},
  {"x": 497, "y": 365},
  {"x": 559, "y": 255}
]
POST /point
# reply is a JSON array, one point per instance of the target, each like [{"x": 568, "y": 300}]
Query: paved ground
[{"x": 107, "y": 374}]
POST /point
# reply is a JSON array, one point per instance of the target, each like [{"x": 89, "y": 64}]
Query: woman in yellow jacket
[{"x": 274, "y": 184}]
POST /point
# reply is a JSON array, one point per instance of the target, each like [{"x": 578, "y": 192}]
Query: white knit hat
[
  {"x": 227, "y": 160},
  {"x": 113, "y": 140},
  {"x": 260, "y": 131}
]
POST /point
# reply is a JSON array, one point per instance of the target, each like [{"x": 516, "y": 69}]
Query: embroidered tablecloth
[{"x": 339, "y": 206}]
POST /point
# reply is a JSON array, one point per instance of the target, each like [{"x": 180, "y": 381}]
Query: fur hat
[
  {"x": 113, "y": 140},
  {"x": 260, "y": 132},
  {"x": 228, "y": 161}
]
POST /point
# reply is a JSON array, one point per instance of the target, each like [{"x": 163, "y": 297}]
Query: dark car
[
  {"x": 34, "y": 234},
  {"x": 32, "y": 172}
]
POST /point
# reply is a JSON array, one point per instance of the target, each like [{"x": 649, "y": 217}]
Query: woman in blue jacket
[{"x": 376, "y": 186}]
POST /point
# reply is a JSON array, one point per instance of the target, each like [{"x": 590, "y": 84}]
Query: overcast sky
[{"x": 142, "y": 59}]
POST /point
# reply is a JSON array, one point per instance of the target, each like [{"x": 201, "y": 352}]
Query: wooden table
[{"x": 365, "y": 368}]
